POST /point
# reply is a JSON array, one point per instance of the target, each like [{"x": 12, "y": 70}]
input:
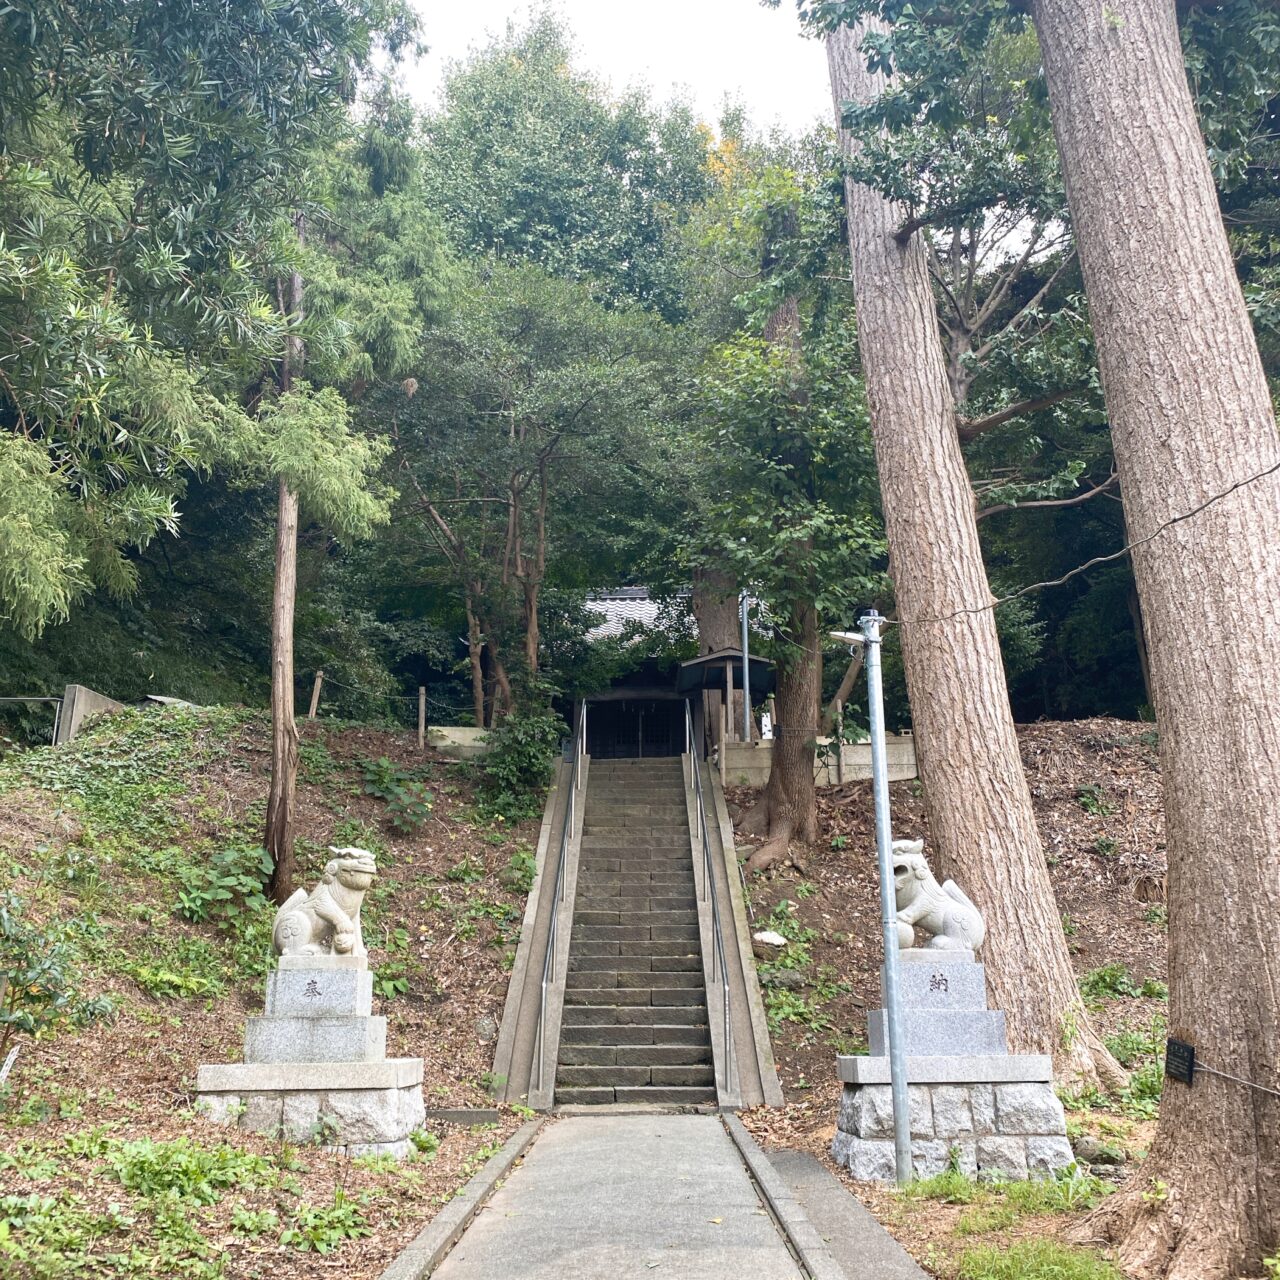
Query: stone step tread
[
  {"x": 606, "y": 902},
  {"x": 641, "y": 877},
  {"x": 664, "y": 829},
  {"x": 617, "y": 1076},
  {"x": 655, "y": 996},
  {"x": 665, "y": 1095},
  {"x": 632, "y": 979},
  {"x": 653, "y": 919},
  {"x": 639, "y": 1017},
  {"x": 635, "y": 1055},
  {"x": 640, "y": 947},
  {"x": 635, "y": 933},
  {"x": 620, "y": 1033},
  {"x": 653, "y": 964}
]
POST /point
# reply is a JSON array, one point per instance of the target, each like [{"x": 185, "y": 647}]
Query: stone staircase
[{"x": 635, "y": 1014}]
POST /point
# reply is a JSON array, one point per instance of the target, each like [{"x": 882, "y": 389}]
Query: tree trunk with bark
[
  {"x": 475, "y": 656},
  {"x": 284, "y": 726},
  {"x": 1190, "y": 418},
  {"x": 980, "y": 815},
  {"x": 788, "y": 808},
  {"x": 278, "y": 837}
]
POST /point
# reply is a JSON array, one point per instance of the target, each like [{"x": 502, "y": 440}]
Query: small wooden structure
[{"x": 720, "y": 672}]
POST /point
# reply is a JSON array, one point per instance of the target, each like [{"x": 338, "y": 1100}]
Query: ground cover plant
[{"x": 135, "y": 850}]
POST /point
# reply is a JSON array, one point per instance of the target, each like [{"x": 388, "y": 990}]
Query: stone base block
[
  {"x": 989, "y": 1130},
  {"x": 951, "y": 1032},
  {"x": 358, "y": 1121},
  {"x": 319, "y": 993},
  {"x": 940, "y": 980},
  {"x": 970, "y": 1068},
  {"x": 269, "y": 1039}
]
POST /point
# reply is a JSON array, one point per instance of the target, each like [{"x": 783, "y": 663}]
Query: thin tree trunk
[
  {"x": 1190, "y": 417},
  {"x": 475, "y": 650},
  {"x": 841, "y": 695},
  {"x": 979, "y": 807},
  {"x": 787, "y": 809},
  {"x": 278, "y": 837},
  {"x": 531, "y": 591},
  {"x": 284, "y": 727},
  {"x": 503, "y": 700},
  {"x": 788, "y": 806}
]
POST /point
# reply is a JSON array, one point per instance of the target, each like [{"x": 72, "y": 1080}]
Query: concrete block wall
[{"x": 748, "y": 763}]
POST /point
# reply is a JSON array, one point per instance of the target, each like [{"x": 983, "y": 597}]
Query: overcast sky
[{"x": 708, "y": 48}]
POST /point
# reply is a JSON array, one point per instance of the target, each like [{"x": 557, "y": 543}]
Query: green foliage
[
  {"x": 782, "y": 1005},
  {"x": 1141, "y": 1097},
  {"x": 40, "y": 990},
  {"x": 517, "y": 767},
  {"x": 409, "y": 803},
  {"x": 231, "y": 883},
  {"x": 1107, "y": 981},
  {"x": 123, "y": 776},
  {"x": 48, "y": 1236},
  {"x": 315, "y": 765},
  {"x": 194, "y": 1172},
  {"x": 424, "y": 1143},
  {"x": 1035, "y": 1260},
  {"x": 391, "y": 977},
  {"x": 322, "y": 1228},
  {"x": 1133, "y": 1043},
  {"x": 518, "y": 875},
  {"x": 949, "y": 1187},
  {"x": 307, "y": 441},
  {"x": 146, "y": 166},
  {"x": 469, "y": 871},
  {"x": 254, "y": 1222},
  {"x": 530, "y": 158},
  {"x": 1093, "y": 800}
]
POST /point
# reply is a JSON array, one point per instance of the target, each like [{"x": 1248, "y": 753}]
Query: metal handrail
[
  {"x": 553, "y": 937},
  {"x": 719, "y": 968}
]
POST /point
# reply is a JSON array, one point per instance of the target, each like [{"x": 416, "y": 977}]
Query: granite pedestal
[
  {"x": 315, "y": 1065},
  {"x": 993, "y": 1113}
]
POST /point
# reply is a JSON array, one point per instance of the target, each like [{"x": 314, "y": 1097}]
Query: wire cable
[
  {"x": 1088, "y": 564},
  {"x": 1226, "y": 1075}
]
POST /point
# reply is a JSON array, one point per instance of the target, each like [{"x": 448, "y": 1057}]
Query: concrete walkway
[{"x": 613, "y": 1197}]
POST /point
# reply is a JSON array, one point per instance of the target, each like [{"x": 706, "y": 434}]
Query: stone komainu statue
[
  {"x": 940, "y": 909},
  {"x": 326, "y": 921}
]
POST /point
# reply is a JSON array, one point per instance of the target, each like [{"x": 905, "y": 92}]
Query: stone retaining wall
[{"x": 990, "y": 1130}]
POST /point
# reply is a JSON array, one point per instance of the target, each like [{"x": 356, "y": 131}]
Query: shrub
[
  {"x": 230, "y": 884},
  {"x": 38, "y": 978},
  {"x": 517, "y": 876},
  {"x": 517, "y": 767},
  {"x": 408, "y": 801}
]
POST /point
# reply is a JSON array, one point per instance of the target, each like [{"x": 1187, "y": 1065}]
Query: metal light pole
[
  {"x": 746, "y": 672},
  {"x": 870, "y": 641}
]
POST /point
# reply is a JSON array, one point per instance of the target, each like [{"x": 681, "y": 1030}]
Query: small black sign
[{"x": 1179, "y": 1060}]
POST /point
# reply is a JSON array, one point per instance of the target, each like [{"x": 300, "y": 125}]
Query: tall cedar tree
[
  {"x": 979, "y": 806},
  {"x": 1191, "y": 418}
]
